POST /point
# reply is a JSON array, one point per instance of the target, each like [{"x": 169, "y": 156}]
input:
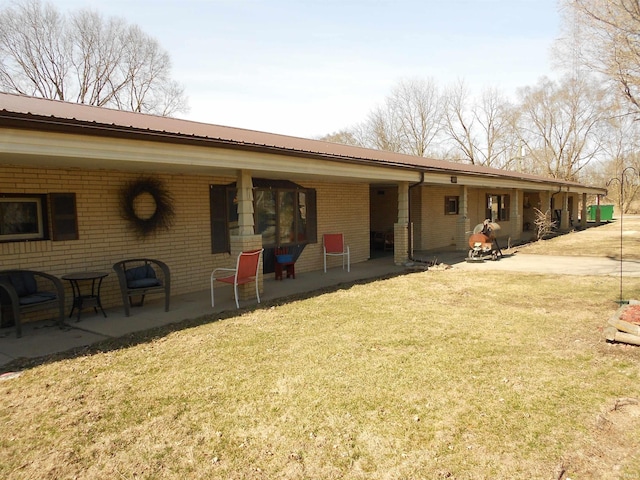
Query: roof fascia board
[
  {"x": 506, "y": 183},
  {"x": 118, "y": 150}
]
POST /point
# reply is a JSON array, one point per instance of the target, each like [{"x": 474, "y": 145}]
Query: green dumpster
[{"x": 606, "y": 213}]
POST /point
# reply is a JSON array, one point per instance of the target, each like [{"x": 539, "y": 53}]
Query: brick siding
[{"x": 106, "y": 238}]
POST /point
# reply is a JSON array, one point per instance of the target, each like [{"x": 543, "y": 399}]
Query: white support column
[
  {"x": 245, "y": 203},
  {"x": 246, "y": 239},
  {"x": 463, "y": 225},
  {"x": 514, "y": 214},
  {"x": 401, "y": 230},
  {"x": 565, "y": 214}
]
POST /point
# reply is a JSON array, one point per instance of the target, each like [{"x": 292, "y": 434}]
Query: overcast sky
[{"x": 311, "y": 67}]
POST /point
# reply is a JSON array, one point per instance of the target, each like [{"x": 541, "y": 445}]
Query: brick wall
[
  {"x": 435, "y": 230},
  {"x": 106, "y": 238},
  {"x": 342, "y": 208}
]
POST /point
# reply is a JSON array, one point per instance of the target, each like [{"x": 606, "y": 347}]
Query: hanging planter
[{"x": 160, "y": 213}]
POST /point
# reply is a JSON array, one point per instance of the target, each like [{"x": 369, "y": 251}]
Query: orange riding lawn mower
[{"x": 483, "y": 243}]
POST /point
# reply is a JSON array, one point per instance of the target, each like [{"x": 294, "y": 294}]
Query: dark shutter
[
  {"x": 312, "y": 216},
  {"x": 64, "y": 218},
  {"x": 507, "y": 206},
  {"x": 219, "y": 221},
  {"x": 488, "y": 210}
]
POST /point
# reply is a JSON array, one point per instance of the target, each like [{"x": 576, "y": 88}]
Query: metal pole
[{"x": 621, "y": 181}]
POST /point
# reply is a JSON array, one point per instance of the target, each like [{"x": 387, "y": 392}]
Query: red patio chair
[
  {"x": 333, "y": 245},
  {"x": 246, "y": 271}
]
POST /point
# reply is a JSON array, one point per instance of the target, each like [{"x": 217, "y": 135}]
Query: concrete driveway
[{"x": 556, "y": 264}]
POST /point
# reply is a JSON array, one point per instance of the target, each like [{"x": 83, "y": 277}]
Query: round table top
[{"x": 84, "y": 275}]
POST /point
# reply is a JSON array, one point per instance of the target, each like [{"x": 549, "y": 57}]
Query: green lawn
[{"x": 431, "y": 375}]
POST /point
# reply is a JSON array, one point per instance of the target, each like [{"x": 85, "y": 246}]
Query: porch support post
[
  {"x": 463, "y": 223},
  {"x": 246, "y": 239},
  {"x": 545, "y": 202},
  {"x": 245, "y": 203},
  {"x": 564, "y": 216},
  {"x": 514, "y": 215},
  {"x": 583, "y": 211},
  {"x": 402, "y": 229}
]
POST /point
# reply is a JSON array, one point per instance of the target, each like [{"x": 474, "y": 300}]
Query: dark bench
[
  {"x": 140, "y": 277},
  {"x": 22, "y": 291}
]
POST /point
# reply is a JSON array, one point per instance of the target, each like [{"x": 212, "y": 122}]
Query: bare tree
[
  {"x": 382, "y": 129},
  {"x": 560, "y": 125},
  {"x": 85, "y": 59},
  {"x": 543, "y": 223},
  {"x": 345, "y": 136},
  {"x": 459, "y": 121},
  {"x": 612, "y": 44},
  {"x": 418, "y": 108},
  {"x": 482, "y": 132},
  {"x": 621, "y": 168},
  {"x": 408, "y": 121}
]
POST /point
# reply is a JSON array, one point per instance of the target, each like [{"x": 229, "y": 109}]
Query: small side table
[
  {"x": 289, "y": 267},
  {"x": 81, "y": 300}
]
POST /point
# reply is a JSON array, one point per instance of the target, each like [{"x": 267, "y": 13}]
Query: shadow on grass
[{"x": 152, "y": 334}]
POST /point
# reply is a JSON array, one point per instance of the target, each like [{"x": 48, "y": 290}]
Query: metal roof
[{"x": 45, "y": 113}]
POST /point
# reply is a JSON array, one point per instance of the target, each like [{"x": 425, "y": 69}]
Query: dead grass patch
[
  {"x": 418, "y": 376},
  {"x": 596, "y": 241}
]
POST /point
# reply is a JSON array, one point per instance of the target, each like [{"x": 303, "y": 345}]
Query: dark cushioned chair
[
  {"x": 140, "y": 277},
  {"x": 23, "y": 291}
]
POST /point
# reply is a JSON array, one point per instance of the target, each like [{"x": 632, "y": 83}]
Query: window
[
  {"x": 22, "y": 217},
  {"x": 281, "y": 216},
  {"x": 451, "y": 205},
  {"x": 498, "y": 208},
  {"x": 284, "y": 214},
  {"x": 26, "y": 217}
]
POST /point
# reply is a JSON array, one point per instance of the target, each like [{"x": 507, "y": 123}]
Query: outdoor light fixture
[{"x": 454, "y": 179}]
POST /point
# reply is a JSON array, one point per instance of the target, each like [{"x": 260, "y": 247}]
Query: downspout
[{"x": 410, "y": 242}]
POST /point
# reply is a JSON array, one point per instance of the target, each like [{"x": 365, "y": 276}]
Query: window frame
[
  {"x": 297, "y": 229},
  {"x": 41, "y": 220},
  {"x": 503, "y": 201},
  {"x": 221, "y": 227},
  {"x": 448, "y": 203}
]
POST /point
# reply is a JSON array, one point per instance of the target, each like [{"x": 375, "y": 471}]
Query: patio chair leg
[
  {"x": 235, "y": 292},
  {"x": 212, "y": 300}
]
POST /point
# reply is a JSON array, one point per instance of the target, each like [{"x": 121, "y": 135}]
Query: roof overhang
[{"x": 63, "y": 135}]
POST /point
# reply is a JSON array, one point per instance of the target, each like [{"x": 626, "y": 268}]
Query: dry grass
[
  {"x": 601, "y": 241},
  {"x": 438, "y": 374}
]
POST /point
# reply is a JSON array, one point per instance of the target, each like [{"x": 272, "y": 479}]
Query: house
[{"x": 197, "y": 194}]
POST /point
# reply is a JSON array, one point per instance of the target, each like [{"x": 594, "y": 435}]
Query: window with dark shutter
[{"x": 64, "y": 217}]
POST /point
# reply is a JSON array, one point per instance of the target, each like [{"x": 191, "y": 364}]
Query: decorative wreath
[{"x": 162, "y": 217}]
